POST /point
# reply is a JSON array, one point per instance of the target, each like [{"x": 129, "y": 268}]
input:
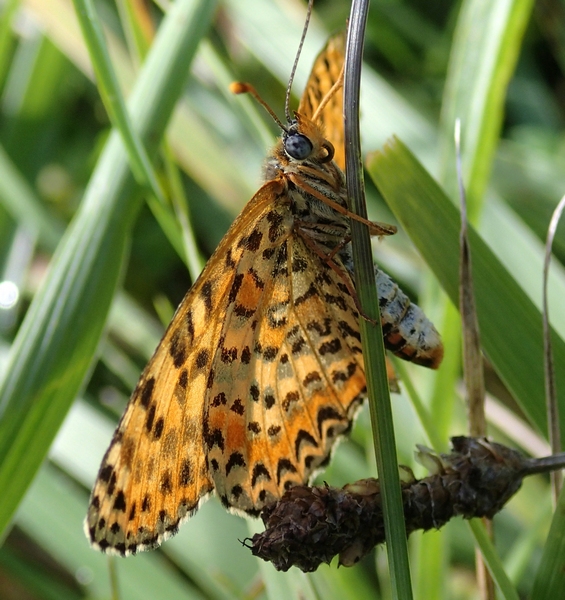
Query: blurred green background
[{"x": 122, "y": 265}]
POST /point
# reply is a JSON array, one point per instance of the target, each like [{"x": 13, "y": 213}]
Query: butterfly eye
[{"x": 298, "y": 146}]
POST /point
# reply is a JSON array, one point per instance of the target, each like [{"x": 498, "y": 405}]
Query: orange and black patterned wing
[
  {"x": 258, "y": 373},
  {"x": 327, "y": 70},
  {"x": 156, "y": 472}
]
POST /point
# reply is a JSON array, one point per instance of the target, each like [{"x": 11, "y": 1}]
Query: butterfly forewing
[{"x": 156, "y": 469}]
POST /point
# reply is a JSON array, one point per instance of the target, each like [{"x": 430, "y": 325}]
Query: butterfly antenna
[
  {"x": 292, "y": 73},
  {"x": 238, "y": 87}
]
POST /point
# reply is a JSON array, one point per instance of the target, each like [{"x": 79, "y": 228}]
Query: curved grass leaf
[
  {"x": 56, "y": 344},
  {"x": 510, "y": 324}
]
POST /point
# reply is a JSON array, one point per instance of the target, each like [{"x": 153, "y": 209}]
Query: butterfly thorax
[{"x": 302, "y": 161}]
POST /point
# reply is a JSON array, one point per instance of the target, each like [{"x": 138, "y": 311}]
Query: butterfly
[{"x": 261, "y": 368}]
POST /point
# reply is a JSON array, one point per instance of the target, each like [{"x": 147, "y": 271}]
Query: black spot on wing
[
  {"x": 237, "y": 407},
  {"x": 259, "y": 283},
  {"x": 289, "y": 399},
  {"x": 339, "y": 375},
  {"x": 189, "y": 325},
  {"x": 244, "y": 311},
  {"x": 336, "y": 301},
  {"x": 254, "y": 427},
  {"x": 259, "y": 470},
  {"x": 206, "y": 295},
  {"x": 230, "y": 263},
  {"x": 321, "y": 328},
  {"x": 219, "y": 399},
  {"x": 275, "y": 221},
  {"x": 166, "y": 483},
  {"x": 299, "y": 265},
  {"x": 298, "y": 345},
  {"x": 284, "y": 466},
  {"x": 251, "y": 242},
  {"x": 254, "y": 392},
  {"x": 246, "y": 355},
  {"x": 235, "y": 460},
  {"x": 268, "y": 253},
  {"x": 213, "y": 438},
  {"x": 158, "y": 429},
  {"x": 146, "y": 390},
  {"x": 120, "y": 501},
  {"x": 150, "y": 418},
  {"x": 309, "y": 293},
  {"x": 273, "y": 430},
  {"x": 105, "y": 473},
  {"x": 185, "y": 475},
  {"x": 183, "y": 379},
  {"x": 269, "y": 400},
  {"x": 228, "y": 355},
  {"x": 327, "y": 413},
  {"x": 270, "y": 353},
  {"x": 346, "y": 329},
  {"x": 178, "y": 349},
  {"x": 312, "y": 377},
  {"x": 202, "y": 359},
  {"x": 280, "y": 268},
  {"x": 236, "y": 285},
  {"x": 304, "y": 437},
  {"x": 331, "y": 347}
]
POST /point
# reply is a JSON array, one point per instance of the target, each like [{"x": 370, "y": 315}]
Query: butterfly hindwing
[{"x": 326, "y": 71}]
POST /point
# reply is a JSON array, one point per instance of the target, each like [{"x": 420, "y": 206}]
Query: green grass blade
[
  {"x": 112, "y": 96},
  {"x": 9, "y": 11},
  {"x": 550, "y": 578},
  {"x": 510, "y": 323},
  {"x": 24, "y": 206},
  {"x": 116, "y": 106},
  {"x": 372, "y": 333},
  {"x": 492, "y": 560},
  {"x": 58, "y": 339},
  {"x": 486, "y": 45}
]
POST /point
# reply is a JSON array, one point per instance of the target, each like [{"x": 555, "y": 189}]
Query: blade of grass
[
  {"x": 550, "y": 577},
  {"x": 371, "y": 333},
  {"x": 487, "y": 42},
  {"x": 435, "y": 439},
  {"x": 24, "y": 206},
  {"x": 115, "y": 104},
  {"x": 509, "y": 321},
  {"x": 140, "y": 33},
  {"x": 492, "y": 560},
  {"x": 60, "y": 334}
]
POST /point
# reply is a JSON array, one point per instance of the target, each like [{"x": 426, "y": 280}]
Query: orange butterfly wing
[
  {"x": 255, "y": 377},
  {"x": 325, "y": 73}
]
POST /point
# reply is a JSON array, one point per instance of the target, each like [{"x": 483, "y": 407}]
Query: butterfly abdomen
[{"x": 408, "y": 333}]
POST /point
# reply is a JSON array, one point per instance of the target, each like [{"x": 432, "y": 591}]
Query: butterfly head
[{"x": 303, "y": 139}]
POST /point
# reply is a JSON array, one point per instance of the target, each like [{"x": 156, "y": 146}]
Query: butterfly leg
[{"x": 375, "y": 228}]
